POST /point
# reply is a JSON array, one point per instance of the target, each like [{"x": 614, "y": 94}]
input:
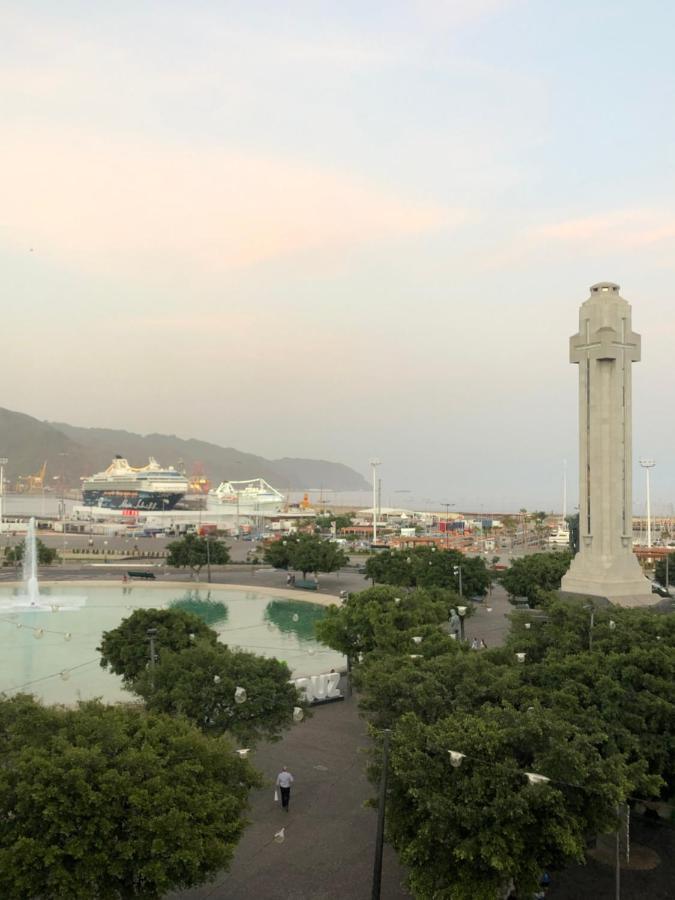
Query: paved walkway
[{"x": 329, "y": 841}]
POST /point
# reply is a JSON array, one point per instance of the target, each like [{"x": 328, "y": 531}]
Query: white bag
[{"x": 276, "y": 795}]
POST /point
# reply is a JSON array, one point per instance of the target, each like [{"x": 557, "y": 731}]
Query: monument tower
[{"x": 604, "y": 349}]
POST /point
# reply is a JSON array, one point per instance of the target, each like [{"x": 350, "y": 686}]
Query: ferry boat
[
  {"x": 122, "y": 486},
  {"x": 246, "y": 498}
]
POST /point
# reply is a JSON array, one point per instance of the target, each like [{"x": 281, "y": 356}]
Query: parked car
[{"x": 660, "y": 590}]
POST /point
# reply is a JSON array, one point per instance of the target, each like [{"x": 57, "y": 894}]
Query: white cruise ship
[
  {"x": 122, "y": 486},
  {"x": 246, "y": 498}
]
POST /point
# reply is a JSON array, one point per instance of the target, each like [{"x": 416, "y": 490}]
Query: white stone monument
[{"x": 605, "y": 349}]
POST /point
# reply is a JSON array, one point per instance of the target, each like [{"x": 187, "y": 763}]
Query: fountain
[{"x": 30, "y": 598}]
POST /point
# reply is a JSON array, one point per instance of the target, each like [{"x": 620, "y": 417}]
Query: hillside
[{"x": 75, "y": 451}]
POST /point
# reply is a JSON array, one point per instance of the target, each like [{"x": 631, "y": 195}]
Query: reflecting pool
[{"x": 53, "y": 654}]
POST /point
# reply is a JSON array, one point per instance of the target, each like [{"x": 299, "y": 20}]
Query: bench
[
  {"x": 149, "y": 576},
  {"x": 306, "y": 585}
]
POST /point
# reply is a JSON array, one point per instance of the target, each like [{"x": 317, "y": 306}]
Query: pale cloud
[
  {"x": 646, "y": 230},
  {"x": 626, "y": 229},
  {"x": 90, "y": 201}
]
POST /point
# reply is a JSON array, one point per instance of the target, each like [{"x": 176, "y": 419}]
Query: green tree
[
  {"x": 341, "y": 521},
  {"x": 46, "y": 555},
  {"x": 278, "y": 552},
  {"x": 200, "y": 683},
  {"x": 125, "y": 649},
  {"x": 193, "y": 552},
  {"x": 429, "y": 567},
  {"x": 534, "y": 576},
  {"x": 112, "y": 802},
  {"x": 313, "y": 554},
  {"x": 465, "y": 832},
  {"x": 382, "y": 617},
  {"x": 306, "y": 553}
]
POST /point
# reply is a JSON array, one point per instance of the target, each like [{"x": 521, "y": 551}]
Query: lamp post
[
  {"x": 374, "y": 463},
  {"x": 105, "y": 552},
  {"x": 447, "y": 516},
  {"x": 208, "y": 558},
  {"x": 462, "y": 612},
  {"x": 457, "y": 570},
  {"x": 3, "y": 463},
  {"x": 379, "y": 840},
  {"x": 648, "y": 464}
]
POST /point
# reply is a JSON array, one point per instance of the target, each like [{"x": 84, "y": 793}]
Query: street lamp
[
  {"x": 447, "y": 516},
  {"x": 457, "y": 570},
  {"x": 374, "y": 463},
  {"x": 462, "y": 612},
  {"x": 105, "y": 552},
  {"x": 648, "y": 464}
]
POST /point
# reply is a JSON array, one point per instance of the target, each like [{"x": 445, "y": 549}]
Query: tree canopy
[
  {"x": 427, "y": 567},
  {"x": 125, "y": 650},
  {"x": 341, "y": 521},
  {"x": 384, "y": 617},
  {"x": 193, "y": 552},
  {"x": 535, "y": 575},
  {"x": 202, "y": 682},
  {"x": 112, "y": 802},
  {"x": 46, "y": 555},
  {"x": 305, "y": 553},
  {"x": 586, "y": 702}
]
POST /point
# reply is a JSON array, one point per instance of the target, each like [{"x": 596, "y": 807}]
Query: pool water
[{"x": 53, "y": 654}]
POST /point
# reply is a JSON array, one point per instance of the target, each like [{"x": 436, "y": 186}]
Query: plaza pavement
[{"x": 329, "y": 841}]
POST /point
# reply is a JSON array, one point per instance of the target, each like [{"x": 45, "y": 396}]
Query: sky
[{"x": 339, "y": 231}]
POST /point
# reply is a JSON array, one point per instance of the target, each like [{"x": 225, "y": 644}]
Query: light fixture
[
  {"x": 65, "y": 675},
  {"x": 417, "y": 638},
  {"x": 415, "y": 655},
  {"x": 521, "y": 657},
  {"x": 243, "y": 753},
  {"x": 461, "y": 610},
  {"x": 533, "y": 778},
  {"x": 528, "y": 625},
  {"x": 296, "y": 617},
  {"x": 240, "y": 695},
  {"x": 216, "y": 679},
  {"x": 397, "y": 600},
  {"x": 456, "y": 758},
  {"x": 612, "y": 624},
  {"x": 488, "y": 609},
  {"x": 298, "y": 714}
]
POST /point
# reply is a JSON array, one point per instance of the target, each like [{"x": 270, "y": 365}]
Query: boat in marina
[
  {"x": 122, "y": 486},
  {"x": 250, "y": 497}
]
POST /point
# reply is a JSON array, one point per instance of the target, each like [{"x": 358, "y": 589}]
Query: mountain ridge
[{"x": 73, "y": 451}]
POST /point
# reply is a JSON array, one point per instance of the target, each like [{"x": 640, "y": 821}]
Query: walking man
[{"x": 284, "y": 782}]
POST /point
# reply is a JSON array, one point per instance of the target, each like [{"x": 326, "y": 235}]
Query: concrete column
[{"x": 604, "y": 349}]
